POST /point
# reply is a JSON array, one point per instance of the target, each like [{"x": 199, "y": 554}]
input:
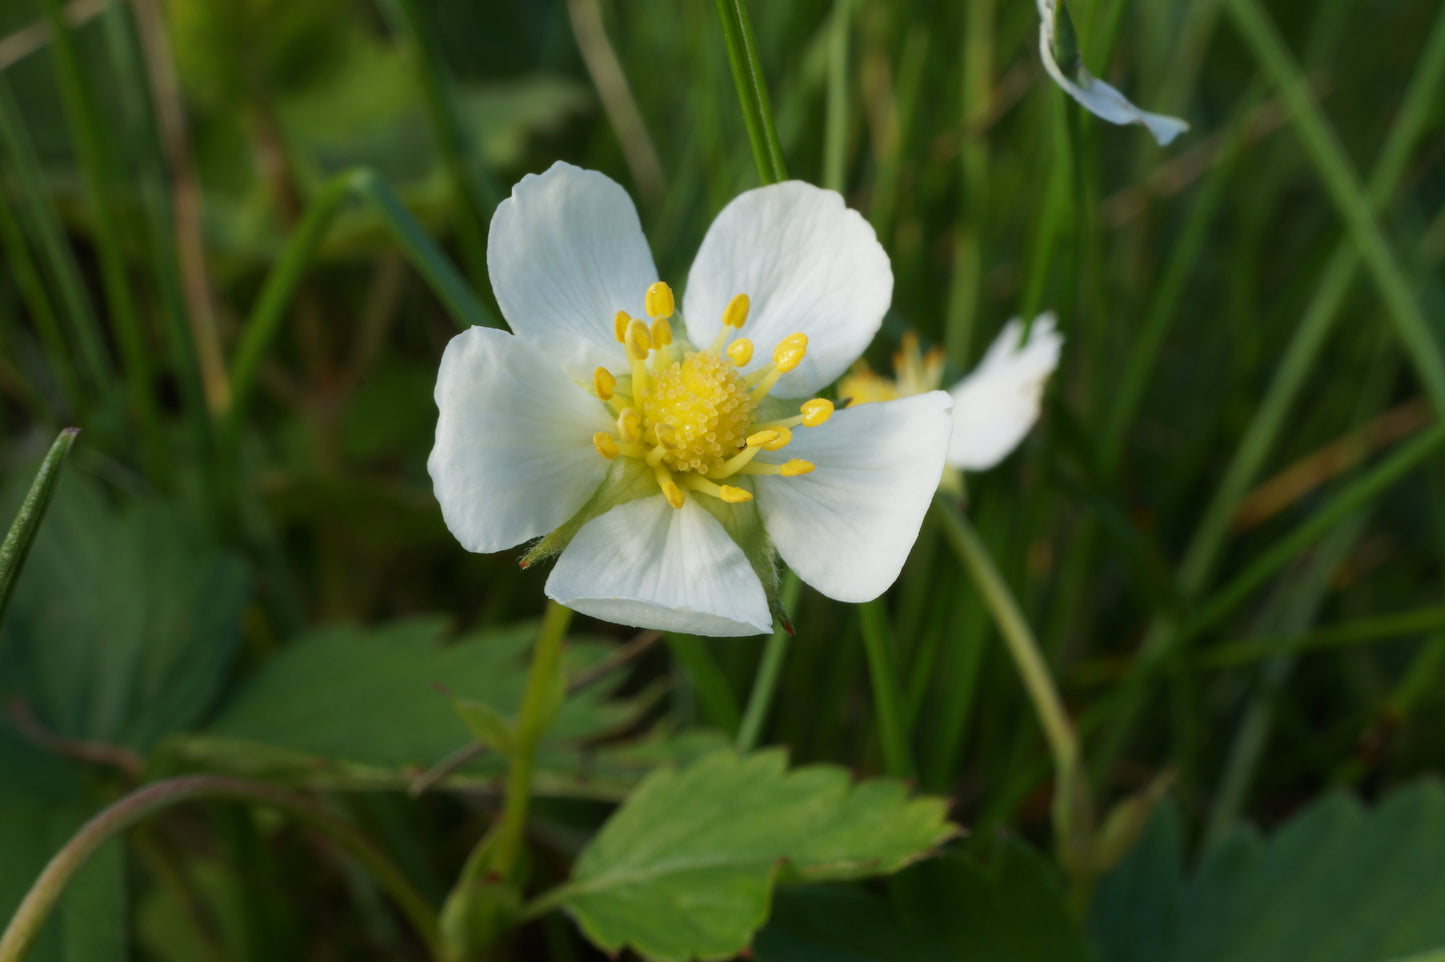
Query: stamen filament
[
  {"x": 723, "y": 492},
  {"x": 669, "y": 487},
  {"x": 788, "y": 469},
  {"x": 735, "y": 463}
]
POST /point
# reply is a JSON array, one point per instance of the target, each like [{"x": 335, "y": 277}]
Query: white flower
[
  {"x": 659, "y": 464},
  {"x": 993, "y": 407},
  {"x": 1097, "y": 97}
]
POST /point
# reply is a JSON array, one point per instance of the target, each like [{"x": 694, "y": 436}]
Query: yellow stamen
[
  {"x": 604, "y": 385},
  {"x": 619, "y": 326},
  {"x": 763, "y": 438},
  {"x": 816, "y": 411},
  {"x": 788, "y": 469},
  {"x": 781, "y": 441},
  {"x": 661, "y": 332},
  {"x": 666, "y": 435},
  {"x": 629, "y": 425},
  {"x": 736, "y": 313},
  {"x": 606, "y": 445},
  {"x": 655, "y": 456},
  {"x": 659, "y": 301},
  {"x": 638, "y": 340},
  {"x": 740, "y": 352},
  {"x": 669, "y": 487},
  {"x": 723, "y": 492},
  {"x": 789, "y": 352}
]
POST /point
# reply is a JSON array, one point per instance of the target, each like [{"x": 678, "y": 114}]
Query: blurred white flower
[
  {"x": 667, "y": 474},
  {"x": 993, "y": 407},
  {"x": 1097, "y": 97}
]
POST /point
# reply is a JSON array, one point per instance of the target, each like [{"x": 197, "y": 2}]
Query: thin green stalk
[
  {"x": 479, "y": 193},
  {"x": 540, "y": 702},
  {"x": 967, "y": 271},
  {"x": 32, "y": 510},
  {"x": 270, "y": 308},
  {"x": 49, "y": 237},
  {"x": 747, "y": 72},
  {"x": 37, "y": 300},
  {"x": 835, "y": 118},
  {"x": 26, "y": 924},
  {"x": 706, "y": 680},
  {"x": 98, "y": 174},
  {"x": 1209, "y": 538},
  {"x": 1353, "y": 205},
  {"x": 765, "y": 683},
  {"x": 1357, "y": 631},
  {"x": 887, "y": 696}
]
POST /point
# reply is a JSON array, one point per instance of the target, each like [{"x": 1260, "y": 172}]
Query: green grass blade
[
  {"x": 887, "y": 696},
  {"x": 32, "y": 510},
  {"x": 752, "y": 90}
]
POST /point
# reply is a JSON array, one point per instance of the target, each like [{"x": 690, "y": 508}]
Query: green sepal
[
  {"x": 744, "y": 524},
  {"x": 627, "y": 480},
  {"x": 486, "y": 724}
]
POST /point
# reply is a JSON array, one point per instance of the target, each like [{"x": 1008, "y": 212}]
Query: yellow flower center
[{"x": 692, "y": 416}]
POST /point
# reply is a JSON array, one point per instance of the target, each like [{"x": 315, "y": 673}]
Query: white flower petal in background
[
  {"x": 513, "y": 457},
  {"x": 807, "y": 263},
  {"x": 994, "y": 407},
  {"x": 566, "y": 253},
  {"x": 1096, "y": 96},
  {"x": 847, "y": 527},
  {"x": 649, "y": 565}
]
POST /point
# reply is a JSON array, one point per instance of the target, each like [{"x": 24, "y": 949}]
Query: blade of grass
[
  {"x": 887, "y": 694},
  {"x": 835, "y": 117},
  {"x": 765, "y": 683},
  {"x": 42, "y": 311},
  {"x": 32, "y": 511},
  {"x": 752, "y": 90}
]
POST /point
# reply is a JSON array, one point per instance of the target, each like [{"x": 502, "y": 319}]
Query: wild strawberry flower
[
  {"x": 993, "y": 407},
  {"x": 669, "y": 455},
  {"x": 1097, "y": 97}
]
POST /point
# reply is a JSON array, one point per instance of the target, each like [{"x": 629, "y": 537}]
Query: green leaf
[
  {"x": 952, "y": 909},
  {"x": 369, "y": 696},
  {"x": 1337, "y": 883},
  {"x": 125, "y": 623},
  {"x": 27, "y": 521},
  {"x": 486, "y": 724},
  {"x": 686, "y": 867}
]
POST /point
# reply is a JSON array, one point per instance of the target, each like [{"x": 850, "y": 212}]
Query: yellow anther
[
  {"x": 661, "y": 332},
  {"x": 619, "y": 326},
  {"x": 673, "y": 493},
  {"x": 638, "y": 340},
  {"x": 736, "y": 313},
  {"x": 723, "y": 492},
  {"x": 659, "y": 302},
  {"x": 734, "y": 495},
  {"x": 816, "y": 411},
  {"x": 781, "y": 441},
  {"x": 666, "y": 435},
  {"x": 789, "y": 352},
  {"x": 604, "y": 385},
  {"x": 795, "y": 467},
  {"x": 629, "y": 425},
  {"x": 740, "y": 352},
  {"x": 606, "y": 445},
  {"x": 763, "y": 438}
]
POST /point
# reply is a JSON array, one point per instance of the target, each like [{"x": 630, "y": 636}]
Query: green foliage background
[{"x": 1227, "y": 530}]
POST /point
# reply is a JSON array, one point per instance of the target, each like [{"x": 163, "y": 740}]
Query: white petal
[
  {"x": 649, "y": 565},
  {"x": 513, "y": 457},
  {"x": 808, "y": 264},
  {"x": 847, "y": 527},
  {"x": 1099, "y": 98},
  {"x": 994, "y": 407},
  {"x": 565, "y": 254}
]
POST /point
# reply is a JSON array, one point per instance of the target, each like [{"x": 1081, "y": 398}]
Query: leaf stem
[{"x": 145, "y": 802}]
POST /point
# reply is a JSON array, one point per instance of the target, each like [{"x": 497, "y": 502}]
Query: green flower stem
[
  {"x": 887, "y": 697},
  {"x": 26, "y": 924},
  {"x": 765, "y": 683},
  {"x": 737, "y": 31},
  {"x": 1072, "y": 817},
  {"x": 1354, "y": 207},
  {"x": 539, "y": 708},
  {"x": 27, "y": 520}
]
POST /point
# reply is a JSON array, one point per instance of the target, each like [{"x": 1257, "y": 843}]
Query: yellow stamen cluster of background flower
[{"x": 690, "y": 415}]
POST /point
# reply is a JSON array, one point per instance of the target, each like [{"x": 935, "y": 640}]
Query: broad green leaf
[
  {"x": 125, "y": 622},
  {"x": 952, "y": 909},
  {"x": 686, "y": 867},
  {"x": 371, "y": 696},
  {"x": 1337, "y": 883}
]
